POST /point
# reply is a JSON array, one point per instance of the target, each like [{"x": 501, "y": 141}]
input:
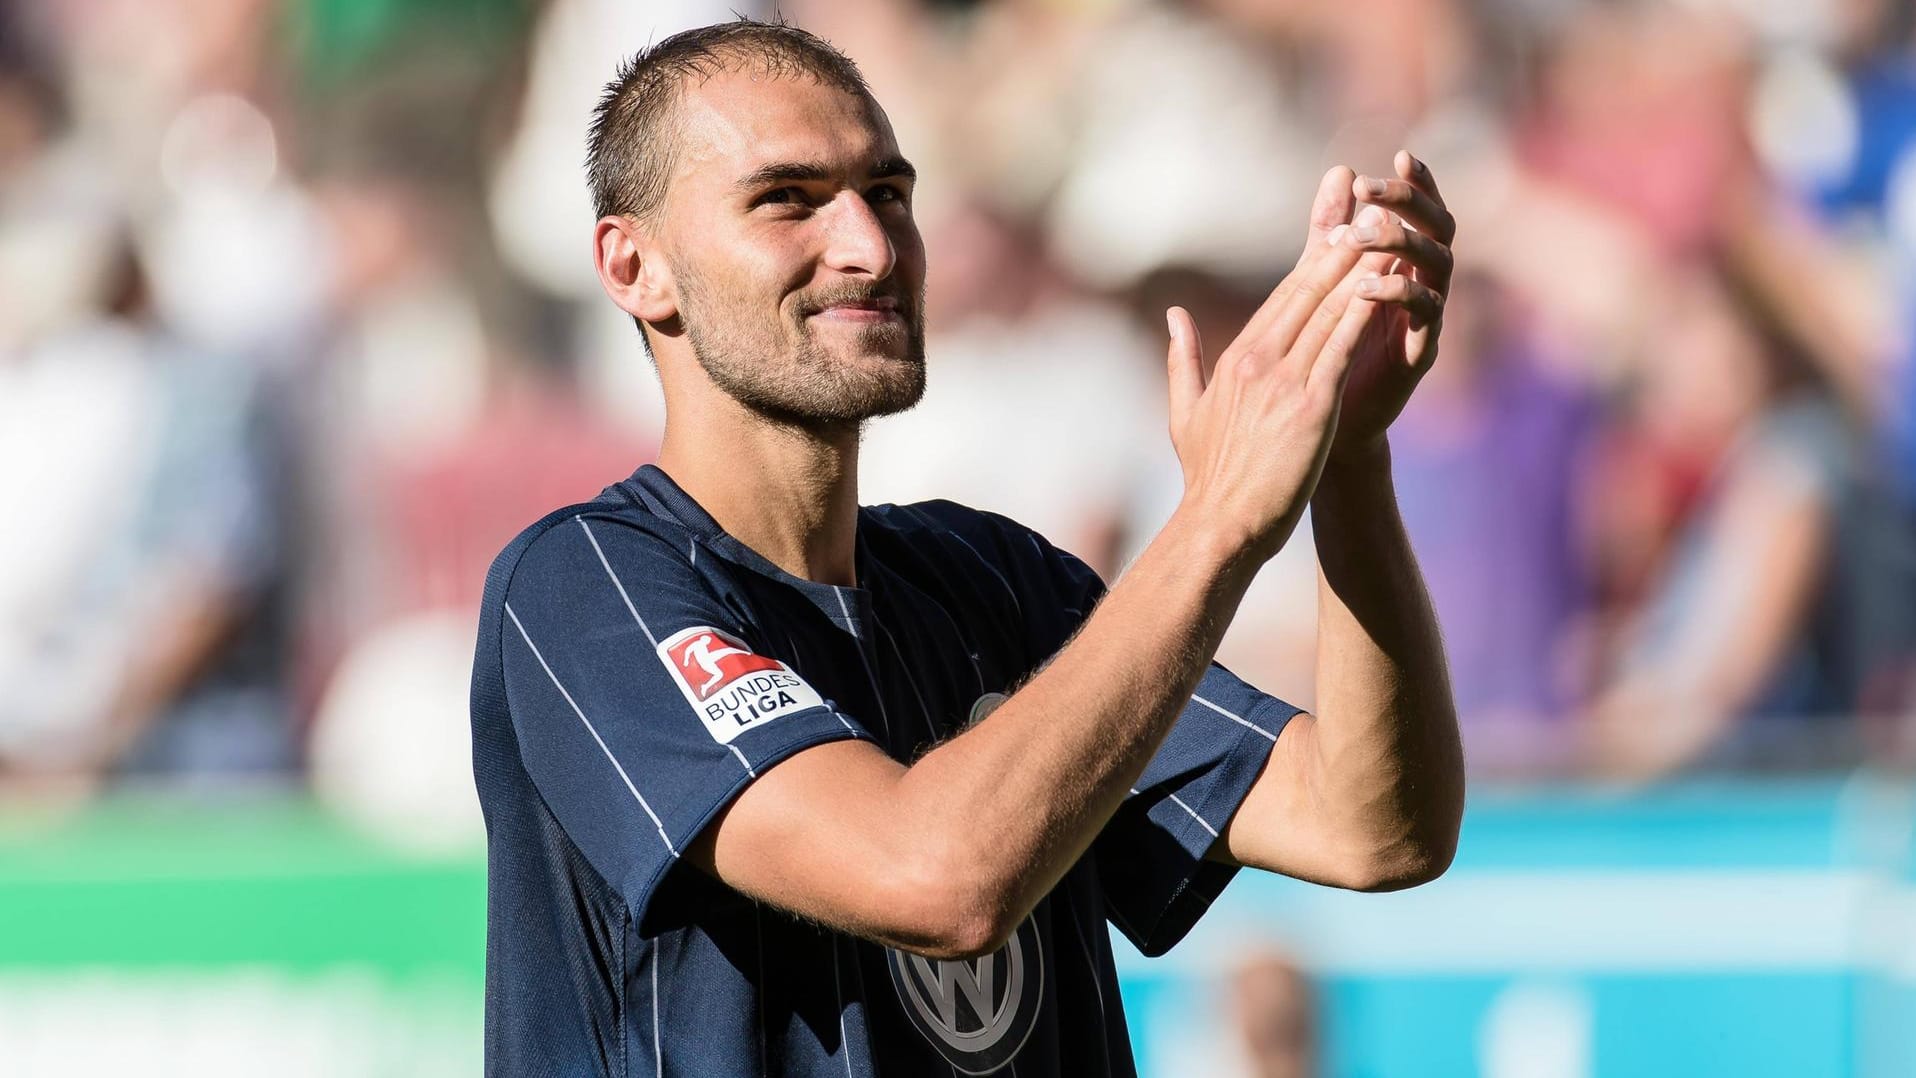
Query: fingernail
[
  {"x": 1337, "y": 235},
  {"x": 1369, "y": 215},
  {"x": 1363, "y": 235},
  {"x": 1368, "y": 286},
  {"x": 1170, "y": 323},
  {"x": 1375, "y": 186}
]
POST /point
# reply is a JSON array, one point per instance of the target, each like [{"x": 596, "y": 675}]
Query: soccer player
[{"x": 776, "y": 784}]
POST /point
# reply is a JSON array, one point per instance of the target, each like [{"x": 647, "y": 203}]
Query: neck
[{"x": 789, "y": 493}]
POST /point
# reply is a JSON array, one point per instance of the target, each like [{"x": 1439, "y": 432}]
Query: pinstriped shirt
[{"x": 637, "y": 667}]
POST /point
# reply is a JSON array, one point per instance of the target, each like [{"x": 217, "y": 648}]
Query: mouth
[{"x": 876, "y": 309}]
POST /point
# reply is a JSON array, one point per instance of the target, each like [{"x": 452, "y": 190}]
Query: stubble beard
[{"x": 780, "y": 369}]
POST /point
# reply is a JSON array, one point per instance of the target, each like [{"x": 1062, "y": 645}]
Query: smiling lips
[{"x": 876, "y": 309}]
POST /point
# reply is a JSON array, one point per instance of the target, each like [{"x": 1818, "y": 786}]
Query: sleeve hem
[
  {"x": 1204, "y": 879},
  {"x": 836, "y": 731}
]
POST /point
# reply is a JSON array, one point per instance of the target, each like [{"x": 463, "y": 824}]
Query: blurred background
[{"x": 298, "y": 327}]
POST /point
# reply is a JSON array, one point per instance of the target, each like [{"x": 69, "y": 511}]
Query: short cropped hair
[{"x": 632, "y": 147}]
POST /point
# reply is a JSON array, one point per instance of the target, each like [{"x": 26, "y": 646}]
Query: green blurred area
[
  {"x": 333, "y": 39},
  {"x": 146, "y": 882},
  {"x": 1748, "y": 927}
]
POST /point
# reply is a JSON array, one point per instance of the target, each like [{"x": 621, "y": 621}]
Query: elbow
[
  {"x": 1410, "y": 857},
  {"x": 954, "y": 910},
  {"x": 1416, "y": 847},
  {"x": 1410, "y": 865},
  {"x": 970, "y": 937}
]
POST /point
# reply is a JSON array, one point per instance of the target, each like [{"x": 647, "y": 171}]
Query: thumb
[{"x": 1184, "y": 360}]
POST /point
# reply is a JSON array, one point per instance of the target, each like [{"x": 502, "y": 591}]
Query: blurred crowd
[{"x": 298, "y": 326}]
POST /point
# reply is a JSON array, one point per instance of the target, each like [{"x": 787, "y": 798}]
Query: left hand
[{"x": 1405, "y": 231}]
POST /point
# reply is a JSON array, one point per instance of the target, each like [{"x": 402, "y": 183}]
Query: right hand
[{"x": 1252, "y": 435}]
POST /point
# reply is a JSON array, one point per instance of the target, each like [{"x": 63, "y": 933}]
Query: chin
[
  {"x": 897, "y": 387},
  {"x": 879, "y": 344}
]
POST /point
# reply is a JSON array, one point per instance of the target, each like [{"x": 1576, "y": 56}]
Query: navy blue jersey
[{"x": 637, "y": 667}]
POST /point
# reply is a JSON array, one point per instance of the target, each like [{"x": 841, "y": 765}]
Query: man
[{"x": 778, "y": 785}]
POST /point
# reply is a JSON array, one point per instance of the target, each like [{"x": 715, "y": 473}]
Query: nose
[{"x": 856, "y": 240}]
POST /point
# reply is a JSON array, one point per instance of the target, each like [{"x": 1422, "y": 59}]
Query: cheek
[
  {"x": 750, "y": 277},
  {"x": 777, "y": 264},
  {"x": 910, "y": 249}
]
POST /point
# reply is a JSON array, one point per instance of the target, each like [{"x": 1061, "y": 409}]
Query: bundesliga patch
[{"x": 732, "y": 689}]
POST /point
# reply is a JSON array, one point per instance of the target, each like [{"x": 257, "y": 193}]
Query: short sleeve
[
  {"x": 1150, "y": 856},
  {"x": 641, "y": 701}
]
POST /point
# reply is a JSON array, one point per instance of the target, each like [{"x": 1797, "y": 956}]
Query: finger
[
  {"x": 1275, "y": 326},
  {"x": 1424, "y": 303},
  {"x": 1330, "y": 210},
  {"x": 1332, "y": 362},
  {"x": 1375, "y": 264},
  {"x": 1415, "y": 172},
  {"x": 1424, "y": 211},
  {"x": 1185, "y": 362},
  {"x": 1380, "y": 233},
  {"x": 1324, "y": 321},
  {"x": 1332, "y": 206}
]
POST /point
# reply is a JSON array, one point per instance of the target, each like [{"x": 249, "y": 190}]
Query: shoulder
[
  {"x": 596, "y": 536},
  {"x": 1022, "y": 559},
  {"x": 949, "y": 521}
]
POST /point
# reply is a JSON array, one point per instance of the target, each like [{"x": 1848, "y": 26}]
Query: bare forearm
[
  {"x": 1019, "y": 798},
  {"x": 1387, "y": 754},
  {"x": 198, "y": 616}
]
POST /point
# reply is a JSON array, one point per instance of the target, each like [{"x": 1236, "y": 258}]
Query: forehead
[{"x": 739, "y": 120}]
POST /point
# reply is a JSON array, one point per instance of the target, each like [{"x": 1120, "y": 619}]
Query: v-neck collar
[{"x": 659, "y": 493}]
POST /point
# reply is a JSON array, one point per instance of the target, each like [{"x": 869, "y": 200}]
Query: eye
[
  {"x": 778, "y": 196},
  {"x": 886, "y": 193}
]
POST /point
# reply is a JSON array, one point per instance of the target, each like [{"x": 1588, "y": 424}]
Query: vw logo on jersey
[
  {"x": 983, "y": 706},
  {"x": 977, "y": 1013}
]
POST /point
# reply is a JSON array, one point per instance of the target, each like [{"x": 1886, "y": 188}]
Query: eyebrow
[{"x": 812, "y": 172}]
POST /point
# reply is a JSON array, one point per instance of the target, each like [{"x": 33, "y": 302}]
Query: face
[{"x": 798, "y": 269}]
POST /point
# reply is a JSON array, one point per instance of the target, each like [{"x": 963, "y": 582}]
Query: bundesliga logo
[{"x": 730, "y": 687}]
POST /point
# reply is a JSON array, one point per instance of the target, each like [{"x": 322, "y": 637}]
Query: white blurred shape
[
  {"x": 235, "y": 1022},
  {"x": 78, "y": 417},
  {"x": 1537, "y": 1029},
  {"x": 1201, "y": 164},
  {"x": 1059, "y": 452},
  {"x": 541, "y": 208},
  {"x": 219, "y": 140},
  {"x": 391, "y": 748},
  {"x": 59, "y": 231},
  {"x": 1803, "y": 119},
  {"x": 415, "y": 367},
  {"x": 236, "y": 268}
]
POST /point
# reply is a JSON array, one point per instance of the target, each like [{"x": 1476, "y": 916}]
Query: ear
[{"x": 632, "y": 270}]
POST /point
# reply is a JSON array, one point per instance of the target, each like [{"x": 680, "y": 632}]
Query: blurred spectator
[
  {"x": 145, "y": 624},
  {"x": 1676, "y": 120},
  {"x": 144, "y": 615},
  {"x": 1762, "y": 610},
  {"x": 1273, "y": 1009},
  {"x": 447, "y": 418}
]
